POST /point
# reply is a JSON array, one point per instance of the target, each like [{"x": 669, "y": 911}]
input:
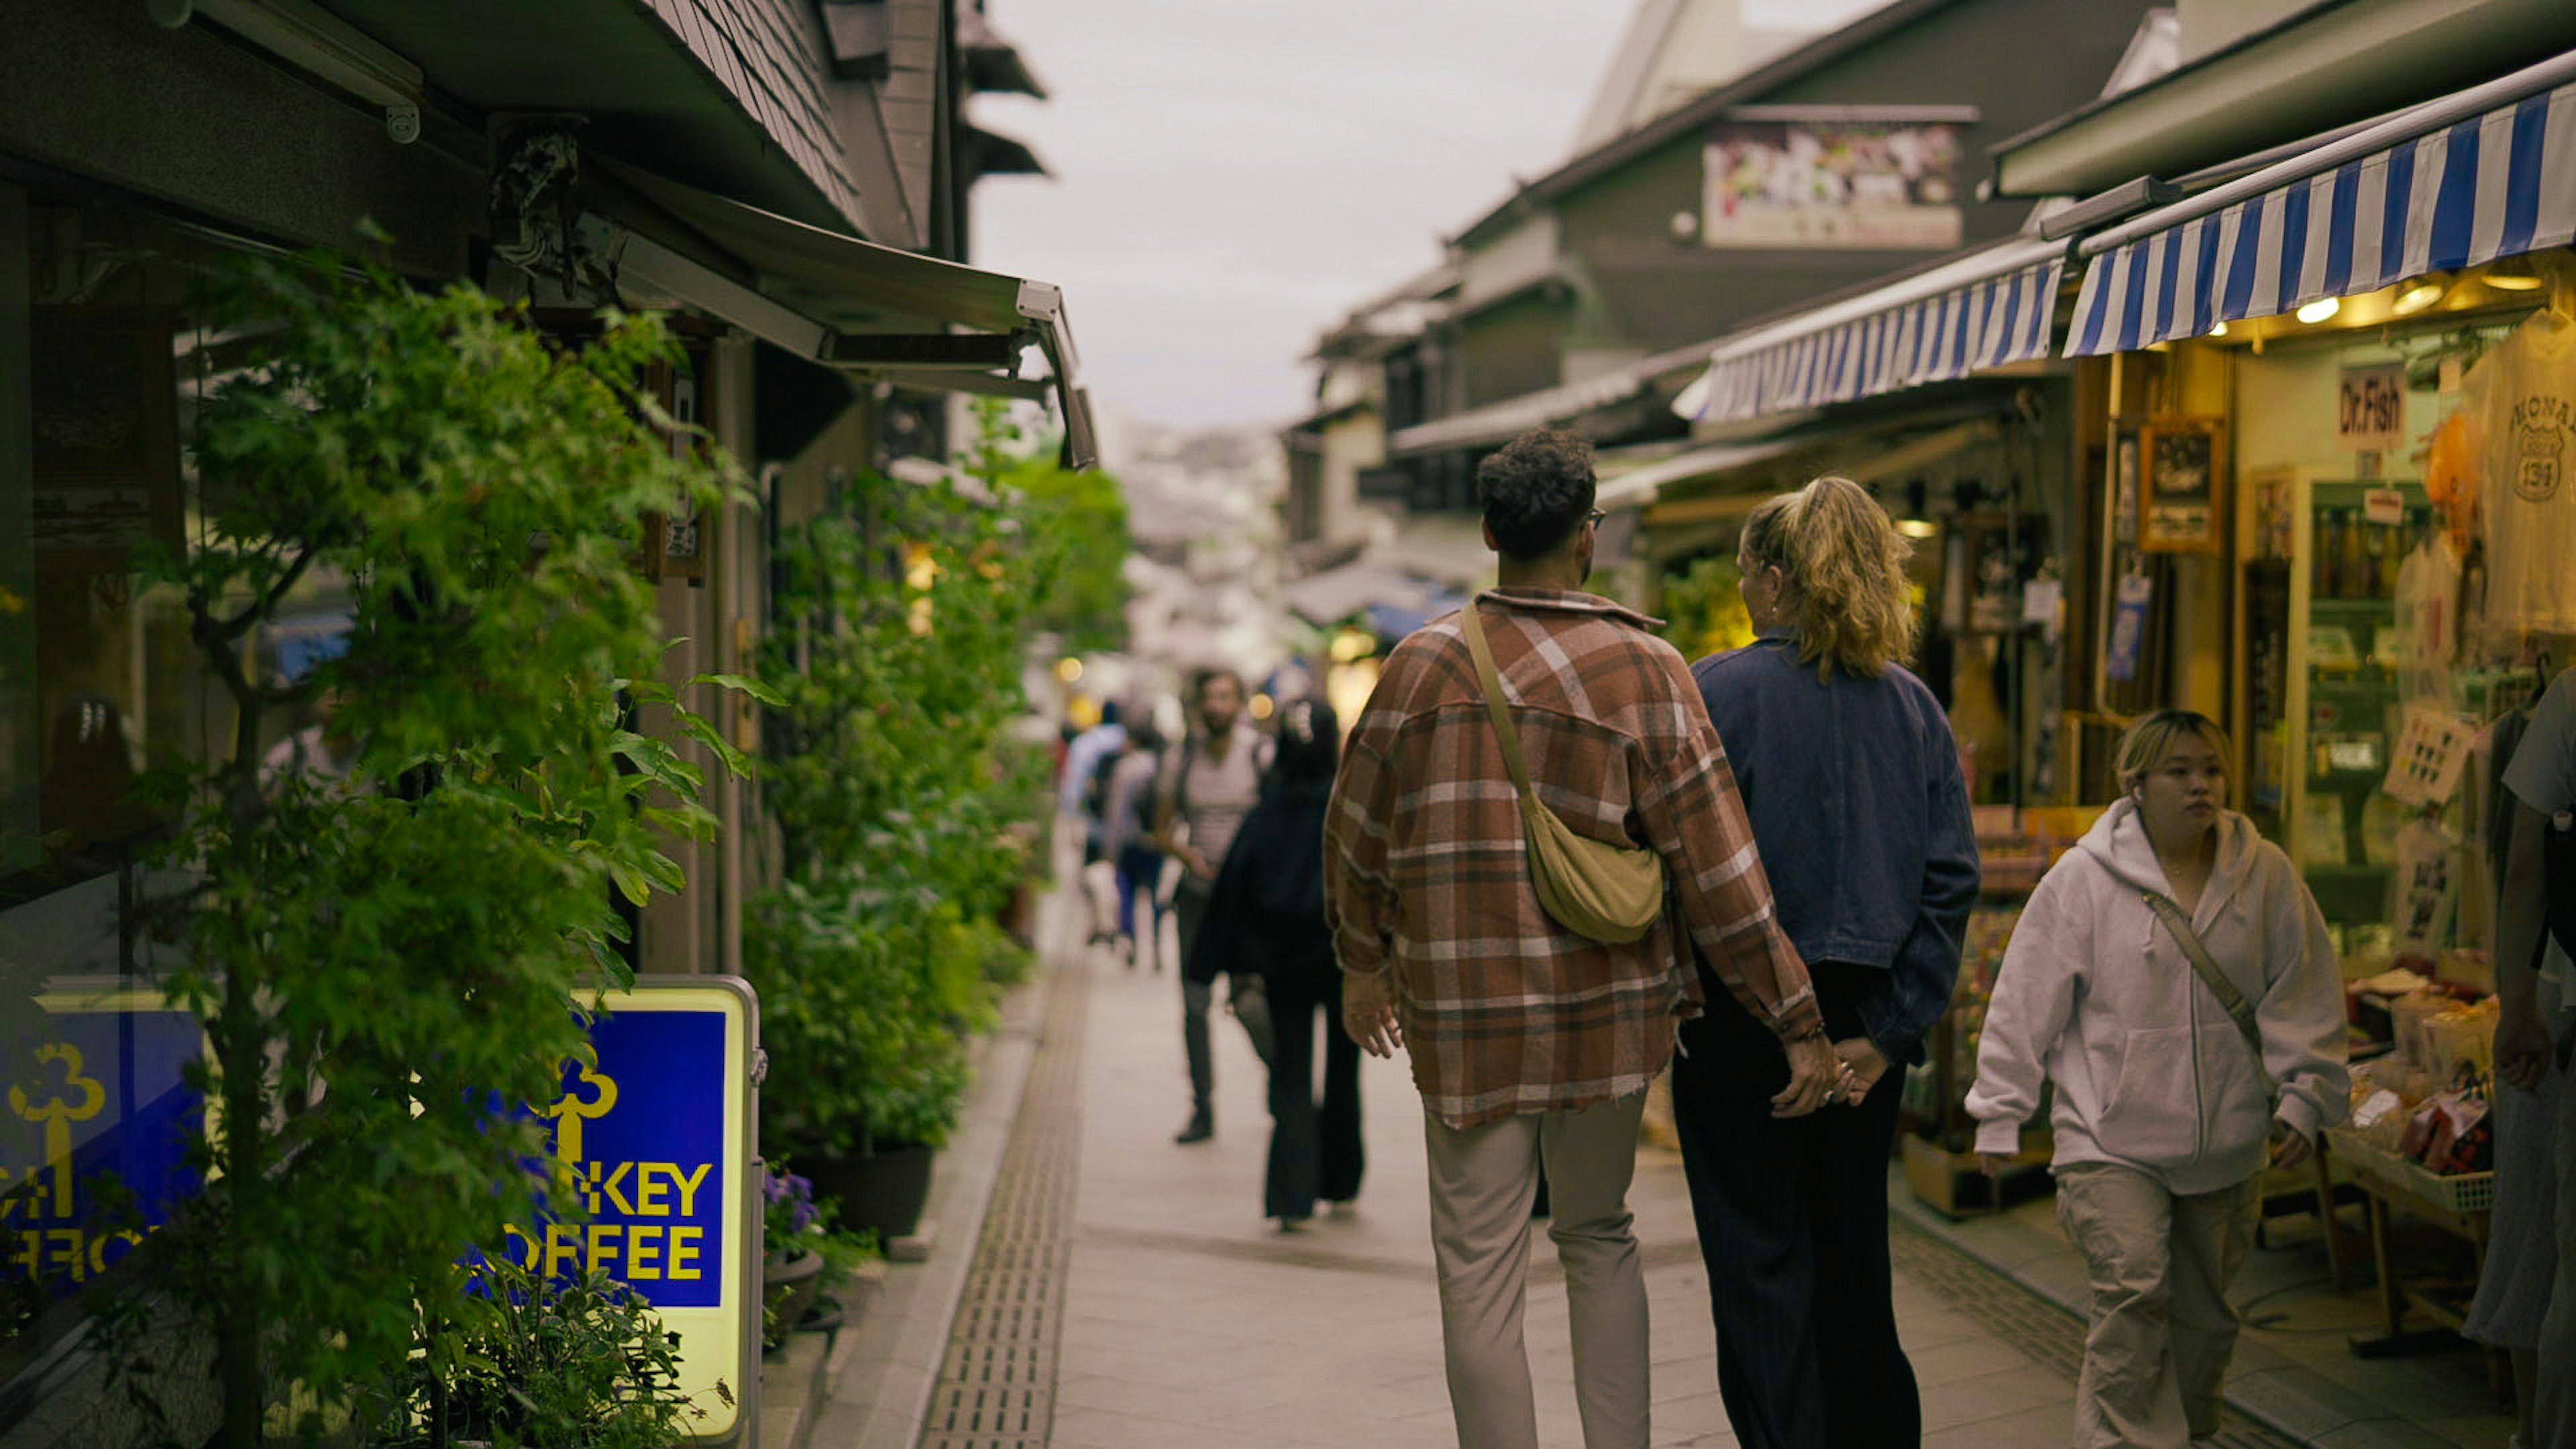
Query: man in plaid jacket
[{"x": 1530, "y": 1042}]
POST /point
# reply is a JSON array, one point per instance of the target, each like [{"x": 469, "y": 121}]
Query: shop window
[{"x": 103, "y": 683}]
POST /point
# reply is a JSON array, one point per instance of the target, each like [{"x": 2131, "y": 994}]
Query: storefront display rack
[{"x": 2343, "y": 657}]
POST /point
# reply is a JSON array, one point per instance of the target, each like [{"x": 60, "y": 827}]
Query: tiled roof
[{"x": 768, "y": 55}]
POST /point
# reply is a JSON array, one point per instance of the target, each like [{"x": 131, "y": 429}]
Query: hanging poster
[
  {"x": 2184, "y": 460},
  {"x": 2129, "y": 627},
  {"x": 2370, "y": 408},
  {"x": 1786, "y": 185}
]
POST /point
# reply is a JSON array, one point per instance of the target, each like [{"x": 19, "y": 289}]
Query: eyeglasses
[{"x": 1596, "y": 516}]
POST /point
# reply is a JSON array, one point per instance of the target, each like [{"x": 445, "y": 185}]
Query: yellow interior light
[
  {"x": 1263, "y": 706},
  {"x": 1917, "y": 527},
  {"x": 1068, "y": 669},
  {"x": 2419, "y": 294},
  {"x": 2320, "y": 309},
  {"x": 2515, "y": 274},
  {"x": 2218, "y": 331}
]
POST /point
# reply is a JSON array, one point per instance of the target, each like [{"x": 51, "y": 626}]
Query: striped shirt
[{"x": 1426, "y": 878}]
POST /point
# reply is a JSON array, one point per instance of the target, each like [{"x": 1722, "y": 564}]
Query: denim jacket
[{"x": 1861, "y": 816}]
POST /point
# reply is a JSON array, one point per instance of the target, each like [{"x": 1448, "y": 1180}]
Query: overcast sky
[{"x": 1232, "y": 176}]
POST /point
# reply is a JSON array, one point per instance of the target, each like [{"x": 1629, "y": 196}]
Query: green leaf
[{"x": 745, "y": 683}]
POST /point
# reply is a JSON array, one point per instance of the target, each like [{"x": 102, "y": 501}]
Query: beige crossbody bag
[{"x": 1606, "y": 892}]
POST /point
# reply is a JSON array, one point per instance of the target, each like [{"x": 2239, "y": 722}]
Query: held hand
[
  {"x": 1196, "y": 864},
  {"x": 1864, "y": 1063},
  {"x": 1994, "y": 1164},
  {"x": 2522, "y": 1046},
  {"x": 2290, "y": 1147},
  {"x": 1815, "y": 1077},
  {"x": 1368, "y": 1016}
]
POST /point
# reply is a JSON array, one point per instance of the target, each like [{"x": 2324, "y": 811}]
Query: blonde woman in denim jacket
[{"x": 1851, "y": 779}]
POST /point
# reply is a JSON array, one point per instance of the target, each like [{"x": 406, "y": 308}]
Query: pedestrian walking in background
[
  {"x": 2532, "y": 1044},
  {"x": 1128, "y": 839},
  {"x": 1266, "y": 917},
  {"x": 1851, "y": 779},
  {"x": 2174, "y": 978},
  {"x": 1530, "y": 1042},
  {"x": 1079, "y": 800},
  {"x": 1214, "y": 781}
]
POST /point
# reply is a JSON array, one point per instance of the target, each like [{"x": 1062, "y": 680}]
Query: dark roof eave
[
  {"x": 2196, "y": 65},
  {"x": 1824, "y": 50}
]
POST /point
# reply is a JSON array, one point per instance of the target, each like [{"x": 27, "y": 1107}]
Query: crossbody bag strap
[
  {"x": 2230, "y": 1000},
  {"x": 1493, "y": 684}
]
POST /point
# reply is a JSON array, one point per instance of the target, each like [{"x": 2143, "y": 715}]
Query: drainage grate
[
  {"x": 996, "y": 1388},
  {"x": 2051, "y": 1336}
]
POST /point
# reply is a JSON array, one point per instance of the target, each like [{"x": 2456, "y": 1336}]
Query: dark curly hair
[{"x": 1536, "y": 491}]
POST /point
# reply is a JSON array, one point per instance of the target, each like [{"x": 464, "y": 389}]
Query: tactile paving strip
[
  {"x": 2051, "y": 1336},
  {"x": 996, "y": 1389}
]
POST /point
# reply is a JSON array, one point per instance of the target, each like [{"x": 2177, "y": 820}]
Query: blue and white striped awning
[
  {"x": 1983, "y": 309},
  {"x": 2487, "y": 173}
]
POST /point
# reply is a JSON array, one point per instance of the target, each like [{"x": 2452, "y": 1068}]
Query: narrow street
[{"x": 1186, "y": 1319}]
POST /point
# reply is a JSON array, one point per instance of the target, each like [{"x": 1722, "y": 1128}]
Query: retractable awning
[
  {"x": 2487, "y": 173},
  {"x": 858, "y": 306},
  {"x": 1639, "y": 487},
  {"x": 1982, "y": 309},
  {"x": 1501, "y": 422}
]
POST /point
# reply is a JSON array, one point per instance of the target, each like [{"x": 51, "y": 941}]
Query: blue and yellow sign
[
  {"x": 95, "y": 1127},
  {"x": 656, "y": 1134}
]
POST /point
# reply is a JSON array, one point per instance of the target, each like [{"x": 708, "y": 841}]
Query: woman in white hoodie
[{"x": 2165, "y": 1114}]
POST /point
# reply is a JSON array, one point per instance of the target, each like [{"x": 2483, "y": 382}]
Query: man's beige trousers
[
  {"x": 1483, "y": 1181},
  {"x": 2155, "y": 1359}
]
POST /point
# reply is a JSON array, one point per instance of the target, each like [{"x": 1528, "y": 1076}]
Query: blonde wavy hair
[{"x": 1845, "y": 563}]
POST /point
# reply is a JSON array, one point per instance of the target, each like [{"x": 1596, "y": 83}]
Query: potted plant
[
  {"x": 896, "y": 792},
  {"x": 791, "y": 1273},
  {"x": 869, "y": 1070},
  {"x": 578, "y": 1364}
]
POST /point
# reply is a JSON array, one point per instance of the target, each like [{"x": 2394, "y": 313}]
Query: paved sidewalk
[
  {"x": 2292, "y": 1366},
  {"x": 1190, "y": 1321}
]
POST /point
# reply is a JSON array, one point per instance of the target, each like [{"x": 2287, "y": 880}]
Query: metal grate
[
  {"x": 2051, "y": 1336},
  {"x": 996, "y": 1387}
]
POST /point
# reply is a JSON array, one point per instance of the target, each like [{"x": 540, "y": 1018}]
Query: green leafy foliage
[
  {"x": 380, "y": 960},
  {"x": 1703, "y": 608},
  {"x": 527, "y": 1364},
  {"x": 904, "y": 808},
  {"x": 1081, "y": 516}
]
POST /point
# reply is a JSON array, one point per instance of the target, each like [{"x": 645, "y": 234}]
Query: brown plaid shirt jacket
[{"x": 1426, "y": 877}]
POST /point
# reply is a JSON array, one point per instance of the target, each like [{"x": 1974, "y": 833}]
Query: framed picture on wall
[{"x": 2182, "y": 494}]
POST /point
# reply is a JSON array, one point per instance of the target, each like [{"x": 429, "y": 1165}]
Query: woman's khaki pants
[
  {"x": 1484, "y": 1180},
  {"x": 2155, "y": 1358}
]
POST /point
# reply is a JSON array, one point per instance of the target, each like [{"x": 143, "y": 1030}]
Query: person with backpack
[
  {"x": 1127, "y": 804},
  {"x": 1266, "y": 918},
  {"x": 2534, "y": 936},
  {"x": 2175, "y": 979},
  {"x": 1212, "y": 784}
]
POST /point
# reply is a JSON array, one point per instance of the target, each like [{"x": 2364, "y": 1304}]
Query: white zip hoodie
[{"x": 2096, "y": 995}]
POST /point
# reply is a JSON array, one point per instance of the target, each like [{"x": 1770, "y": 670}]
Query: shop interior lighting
[
  {"x": 2320, "y": 309},
  {"x": 1068, "y": 669},
  {"x": 2419, "y": 294},
  {"x": 1263, "y": 706},
  {"x": 1917, "y": 527},
  {"x": 2515, "y": 274},
  {"x": 2218, "y": 331}
]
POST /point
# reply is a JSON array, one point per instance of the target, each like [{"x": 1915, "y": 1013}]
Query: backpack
[{"x": 1095, "y": 793}]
